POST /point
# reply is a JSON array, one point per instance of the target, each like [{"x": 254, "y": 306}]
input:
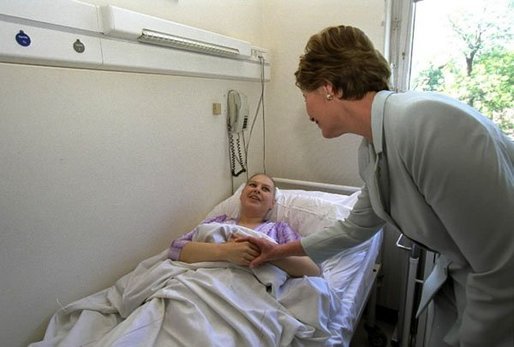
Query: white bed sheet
[
  {"x": 352, "y": 279},
  {"x": 144, "y": 305},
  {"x": 350, "y": 273}
]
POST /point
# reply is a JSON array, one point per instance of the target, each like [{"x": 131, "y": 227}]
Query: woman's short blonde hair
[{"x": 346, "y": 58}]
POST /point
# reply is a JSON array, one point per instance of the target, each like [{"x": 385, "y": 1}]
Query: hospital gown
[{"x": 278, "y": 231}]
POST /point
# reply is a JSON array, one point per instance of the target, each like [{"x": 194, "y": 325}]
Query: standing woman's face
[{"x": 321, "y": 109}]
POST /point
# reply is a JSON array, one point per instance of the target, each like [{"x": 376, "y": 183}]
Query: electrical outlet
[{"x": 216, "y": 108}]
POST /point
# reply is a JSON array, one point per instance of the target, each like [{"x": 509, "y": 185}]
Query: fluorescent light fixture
[
  {"x": 113, "y": 39},
  {"x": 168, "y": 40},
  {"x": 129, "y": 25}
]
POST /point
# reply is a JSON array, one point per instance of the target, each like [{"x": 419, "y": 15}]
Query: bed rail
[{"x": 287, "y": 183}]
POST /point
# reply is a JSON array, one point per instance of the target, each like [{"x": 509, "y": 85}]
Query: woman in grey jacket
[{"x": 434, "y": 168}]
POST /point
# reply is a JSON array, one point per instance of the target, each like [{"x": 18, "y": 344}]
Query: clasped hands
[{"x": 248, "y": 251}]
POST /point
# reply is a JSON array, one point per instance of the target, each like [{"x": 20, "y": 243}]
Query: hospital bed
[{"x": 162, "y": 302}]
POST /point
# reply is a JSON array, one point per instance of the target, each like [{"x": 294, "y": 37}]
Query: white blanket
[{"x": 171, "y": 303}]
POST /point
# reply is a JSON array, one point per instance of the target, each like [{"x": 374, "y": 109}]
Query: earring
[{"x": 329, "y": 97}]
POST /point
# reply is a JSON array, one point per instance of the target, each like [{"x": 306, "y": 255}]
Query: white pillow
[
  {"x": 229, "y": 206},
  {"x": 304, "y": 211}
]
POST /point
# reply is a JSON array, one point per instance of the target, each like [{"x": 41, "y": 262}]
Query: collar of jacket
[
  {"x": 377, "y": 172},
  {"x": 377, "y": 120}
]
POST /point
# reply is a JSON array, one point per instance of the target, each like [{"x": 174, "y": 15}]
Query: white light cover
[
  {"x": 161, "y": 39},
  {"x": 129, "y": 25}
]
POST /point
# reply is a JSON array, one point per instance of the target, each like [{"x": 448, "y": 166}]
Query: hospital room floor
[{"x": 380, "y": 337}]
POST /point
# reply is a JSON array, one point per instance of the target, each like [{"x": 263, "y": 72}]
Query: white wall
[
  {"x": 102, "y": 169},
  {"x": 99, "y": 170},
  {"x": 306, "y": 155}
]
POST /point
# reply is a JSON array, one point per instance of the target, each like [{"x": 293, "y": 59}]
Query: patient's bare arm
[
  {"x": 240, "y": 253},
  {"x": 298, "y": 266}
]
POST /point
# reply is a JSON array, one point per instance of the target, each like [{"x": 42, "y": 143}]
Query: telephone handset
[
  {"x": 237, "y": 109},
  {"x": 237, "y": 121}
]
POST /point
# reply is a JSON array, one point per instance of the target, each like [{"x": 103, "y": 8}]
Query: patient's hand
[
  {"x": 233, "y": 238},
  {"x": 290, "y": 257},
  {"x": 265, "y": 248},
  {"x": 233, "y": 251},
  {"x": 240, "y": 252}
]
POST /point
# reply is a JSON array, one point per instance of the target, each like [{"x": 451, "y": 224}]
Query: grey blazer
[{"x": 443, "y": 175}]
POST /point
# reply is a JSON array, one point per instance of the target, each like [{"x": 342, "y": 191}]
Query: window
[{"x": 465, "y": 49}]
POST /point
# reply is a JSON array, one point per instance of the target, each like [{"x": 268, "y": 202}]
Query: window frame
[{"x": 399, "y": 31}]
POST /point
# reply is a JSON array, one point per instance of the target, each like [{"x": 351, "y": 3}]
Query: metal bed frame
[{"x": 411, "y": 331}]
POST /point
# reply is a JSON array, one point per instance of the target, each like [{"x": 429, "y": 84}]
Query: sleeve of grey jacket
[
  {"x": 359, "y": 226},
  {"x": 464, "y": 168}
]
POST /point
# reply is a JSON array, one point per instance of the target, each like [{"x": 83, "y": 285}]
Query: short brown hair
[{"x": 346, "y": 58}]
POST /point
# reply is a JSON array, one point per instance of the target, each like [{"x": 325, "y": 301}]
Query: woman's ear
[{"x": 329, "y": 89}]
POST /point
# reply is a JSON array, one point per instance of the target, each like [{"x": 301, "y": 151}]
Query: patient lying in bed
[
  {"x": 201, "y": 292},
  {"x": 257, "y": 199}
]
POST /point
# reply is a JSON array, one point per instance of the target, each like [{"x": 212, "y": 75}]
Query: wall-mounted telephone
[
  {"x": 237, "y": 111},
  {"x": 237, "y": 121}
]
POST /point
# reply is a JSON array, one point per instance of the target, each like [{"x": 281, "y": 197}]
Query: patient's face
[{"x": 258, "y": 196}]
